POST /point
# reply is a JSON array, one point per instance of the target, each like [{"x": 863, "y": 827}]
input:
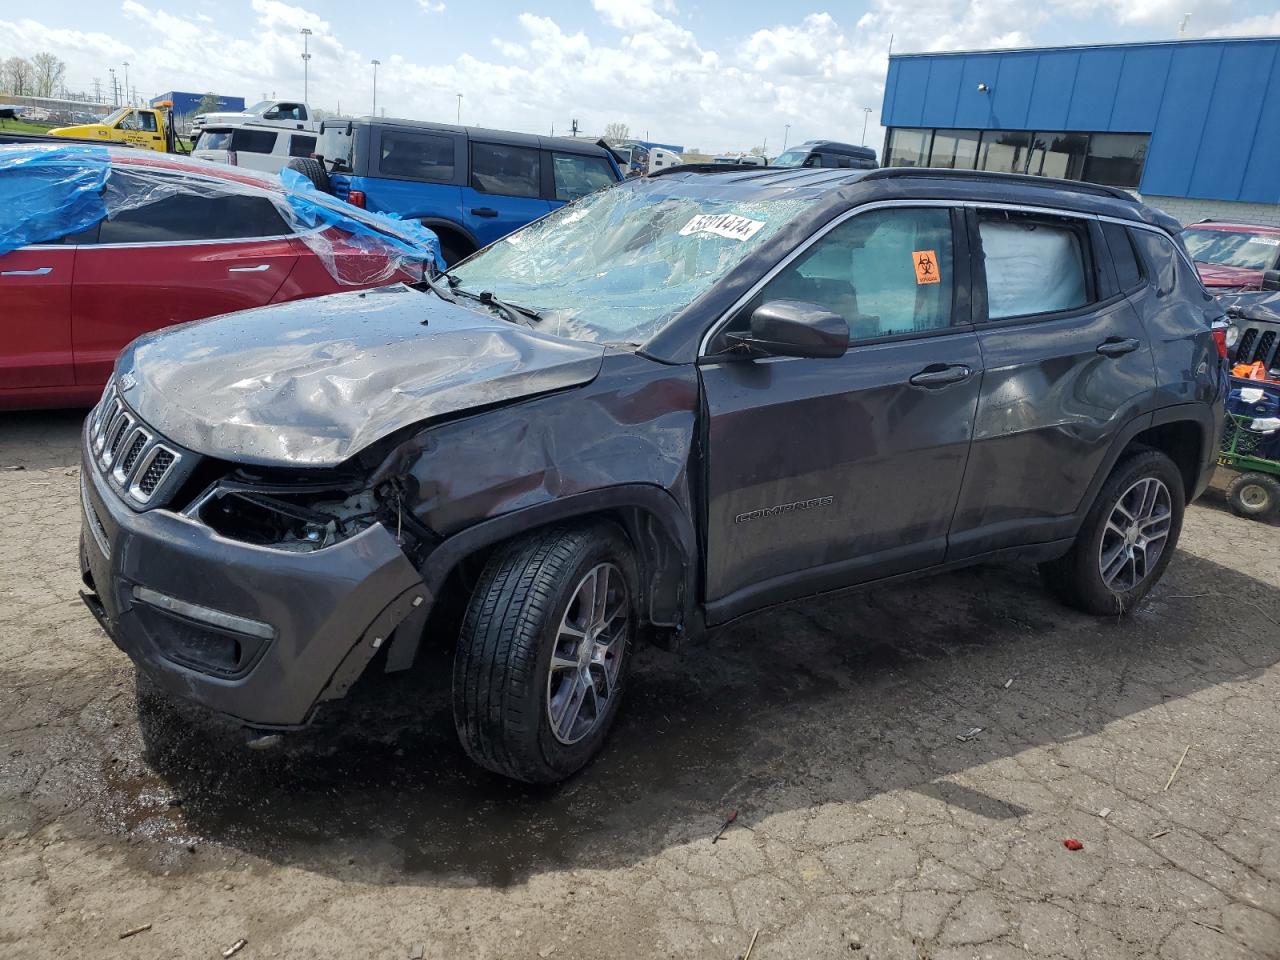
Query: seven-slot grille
[
  {"x": 127, "y": 451},
  {"x": 1257, "y": 343}
]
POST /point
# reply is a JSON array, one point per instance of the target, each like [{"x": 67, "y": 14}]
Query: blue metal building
[
  {"x": 186, "y": 104},
  {"x": 1192, "y": 125}
]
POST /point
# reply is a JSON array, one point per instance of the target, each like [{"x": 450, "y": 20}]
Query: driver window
[
  {"x": 147, "y": 121},
  {"x": 129, "y": 121},
  {"x": 887, "y": 272}
]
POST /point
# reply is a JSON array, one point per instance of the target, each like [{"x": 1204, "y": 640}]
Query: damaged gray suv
[{"x": 672, "y": 403}]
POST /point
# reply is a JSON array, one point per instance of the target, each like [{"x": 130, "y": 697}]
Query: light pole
[
  {"x": 306, "y": 57},
  {"x": 375, "y": 85},
  {"x": 786, "y": 133},
  {"x": 866, "y": 115},
  {"x": 126, "y": 82},
  {"x": 459, "y": 109}
]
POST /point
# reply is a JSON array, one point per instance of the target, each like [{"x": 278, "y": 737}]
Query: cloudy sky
[{"x": 715, "y": 74}]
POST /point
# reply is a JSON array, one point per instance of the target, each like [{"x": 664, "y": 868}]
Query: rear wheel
[
  {"x": 1127, "y": 538},
  {"x": 544, "y": 651},
  {"x": 313, "y": 170},
  {"x": 1254, "y": 495}
]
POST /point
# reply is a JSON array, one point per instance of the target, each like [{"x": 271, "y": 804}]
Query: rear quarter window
[
  {"x": 253, "y": 141},
  {"x": 406, "y": 155},
  {"x": 300, "y": 146},
  {"x": 1123, "y": 256}
]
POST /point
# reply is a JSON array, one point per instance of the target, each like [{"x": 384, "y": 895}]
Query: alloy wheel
[
  {"x": 587, "y": 657},
  {"x": 1135, "y": 536}
]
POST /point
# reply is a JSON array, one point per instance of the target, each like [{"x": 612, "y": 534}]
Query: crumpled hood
[{"x": 312, "y": 382}]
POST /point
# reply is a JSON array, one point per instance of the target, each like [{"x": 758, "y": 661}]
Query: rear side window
[
  {"x": 215, "y": 140},
  {"x": 1128, "y": 270},
  {"x": 184, "y": 216},
  {"x": 253, "y": 141},
  {"x": 300, "y": 146},
  {"x": 576, "y": 176},
  {"x": 415, "y": 156},
  {"x": 509, "y": 171},
  {"x": 1034, "y": 265}
]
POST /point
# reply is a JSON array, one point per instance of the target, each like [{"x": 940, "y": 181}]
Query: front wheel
[
  {"x": 1127, "y": 538},
  {"x": 544, "y": 651}
]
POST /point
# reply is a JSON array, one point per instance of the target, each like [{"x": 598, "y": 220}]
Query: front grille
[
  {"x": 1258, "y": 344},
  {"x": 155, "y": 472},
  {"x": 130, "y": 454}
]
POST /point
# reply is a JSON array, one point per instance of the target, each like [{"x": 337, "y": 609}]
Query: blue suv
[{"x": 470, "y": 185}]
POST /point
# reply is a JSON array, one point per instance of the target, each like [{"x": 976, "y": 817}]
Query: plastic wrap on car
[{"x": 50, "y": 191}]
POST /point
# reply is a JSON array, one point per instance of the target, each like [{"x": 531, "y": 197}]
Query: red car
[
  {"x": 1232, "y": 257},
  {"x": 202, "y": 240}
]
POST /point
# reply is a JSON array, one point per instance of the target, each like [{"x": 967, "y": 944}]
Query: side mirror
[
  {"x": 794, "y": 328},
  {"x": 271, "y": 115},
  {"x": 1271, "y": 280}
]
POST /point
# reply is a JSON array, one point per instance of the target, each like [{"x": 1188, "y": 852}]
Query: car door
[
  {"x": 1068, "y": 366},
  {"x": 822, "y": 473},
  {"x": 184, "y": 256},
  {"x": 504, "y": 192},
  {"x": 35, "y": 317}
]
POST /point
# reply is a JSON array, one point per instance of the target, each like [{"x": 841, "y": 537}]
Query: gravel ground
[{"x": 866, "y": 828}]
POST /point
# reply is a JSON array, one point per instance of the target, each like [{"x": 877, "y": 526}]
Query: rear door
[
  {"x": 414, "y": 173},
  {"x": 1068, "y": 366},
  {"x": 35, "y": 317},
  {"x": 182, "y": 257},
  {"x": 827, "y": 472},
  {"x": 505, "y": 190}
]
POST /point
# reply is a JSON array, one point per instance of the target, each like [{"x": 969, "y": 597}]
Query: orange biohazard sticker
[{"x": 926, "y": 264}]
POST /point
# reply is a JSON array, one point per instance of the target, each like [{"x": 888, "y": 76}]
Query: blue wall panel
[{"x": 1212, "y": 107}]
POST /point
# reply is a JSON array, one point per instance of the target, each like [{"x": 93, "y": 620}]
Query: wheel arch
[
  {"x": 448, "y": 228},
  {"x": 659, "y": 530}
]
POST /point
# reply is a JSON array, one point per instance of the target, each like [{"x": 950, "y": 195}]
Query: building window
[
  {"x": 1115, "y": 159},
  {"x": 955, "y": 149},
  {"x": 909, "y": 148},
  {"x": 1059, "y": 155},
  {"x": 1004, "y": 151}
]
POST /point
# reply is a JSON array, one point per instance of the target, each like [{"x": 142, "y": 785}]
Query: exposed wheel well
[
  {"x": 1182, "y": 442},
  {"x": 661, "y": 560},
  {"x": 452, "y": 239}
]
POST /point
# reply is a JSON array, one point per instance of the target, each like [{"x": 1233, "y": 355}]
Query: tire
[
  {"x": 1255, "y": 496},
  {"x": 506, "y": 695},
  {"x": 1078, "y": 578},
  {"x": 313, "y": 170}
]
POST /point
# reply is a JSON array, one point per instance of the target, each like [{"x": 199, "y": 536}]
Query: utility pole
[
  {"x": 786, "y": 135},
  {"x": 866, "y": 115},
  {"x": 97, "y": 90},
  {"x": 375, "y": 85},
  {"x": 126, "y": 82},
  {"x": 306, "y": 58},
  {"x": 115, "y": 90},
  {"x": 459, "y": 109}
]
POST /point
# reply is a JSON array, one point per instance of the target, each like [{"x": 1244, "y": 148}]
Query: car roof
[
  {"x": 846, "y": 187},
  {"x": 1234, "y": 227},
  {"x": 485, "y": 134},
  {"x": 193, "y": 166},
  {"x": 835, "y": 146}
]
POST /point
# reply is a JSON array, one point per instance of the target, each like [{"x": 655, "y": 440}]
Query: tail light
[
  {"x": 231, "y": 158},
  {"x": 1220, "y": 328},
  {"x": 356, "y": 198}
]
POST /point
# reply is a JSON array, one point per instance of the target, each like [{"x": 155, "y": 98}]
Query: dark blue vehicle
[{"x": 470, "y": 185}]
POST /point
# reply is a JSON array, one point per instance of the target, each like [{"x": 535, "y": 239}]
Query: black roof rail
[
  {"x": 707, "y": 168},
  {"x": 987, "y": 176}
]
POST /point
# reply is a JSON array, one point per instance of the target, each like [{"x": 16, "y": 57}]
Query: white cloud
[
  {"x": 1260, "y": 26},
  {"x": 643, "y": 67}
]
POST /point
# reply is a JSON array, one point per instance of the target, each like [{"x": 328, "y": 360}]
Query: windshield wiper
[
  {"x": 511, "y": 311},
  {"x": 444, "y": 293}
]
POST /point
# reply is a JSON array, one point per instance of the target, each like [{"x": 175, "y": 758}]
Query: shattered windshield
[{"x": 617, "y": 265}]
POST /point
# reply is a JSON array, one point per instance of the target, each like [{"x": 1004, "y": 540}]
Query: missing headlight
[{"x": 287, "y": 519}]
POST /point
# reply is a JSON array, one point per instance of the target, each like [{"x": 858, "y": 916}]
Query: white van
[{"x": 254, "y": 146}]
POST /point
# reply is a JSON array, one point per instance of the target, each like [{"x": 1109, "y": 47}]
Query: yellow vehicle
[{"x": 149, "y": 128}]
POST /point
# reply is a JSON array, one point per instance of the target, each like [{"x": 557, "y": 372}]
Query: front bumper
[{"x": 295, "y": 628}]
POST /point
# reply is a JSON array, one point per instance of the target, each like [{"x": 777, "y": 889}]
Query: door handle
[
  {"x": 939, "y": 375},
  {"x": 484, "y": 212},
  {"x": 37, "y": 272},
  {"x": 258, "y": 269},
  {"x": 1118, "y": 346}
]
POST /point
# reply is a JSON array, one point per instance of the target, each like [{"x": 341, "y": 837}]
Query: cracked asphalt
[{"x": 866, "y": 828}]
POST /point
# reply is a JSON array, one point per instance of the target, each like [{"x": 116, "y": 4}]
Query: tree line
[{"x": 41, "y": 76}]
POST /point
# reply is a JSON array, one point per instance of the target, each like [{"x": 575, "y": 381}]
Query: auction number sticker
[
  {"x": 1267, "y": 241},
  {"x": 723, "y": 225}
]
